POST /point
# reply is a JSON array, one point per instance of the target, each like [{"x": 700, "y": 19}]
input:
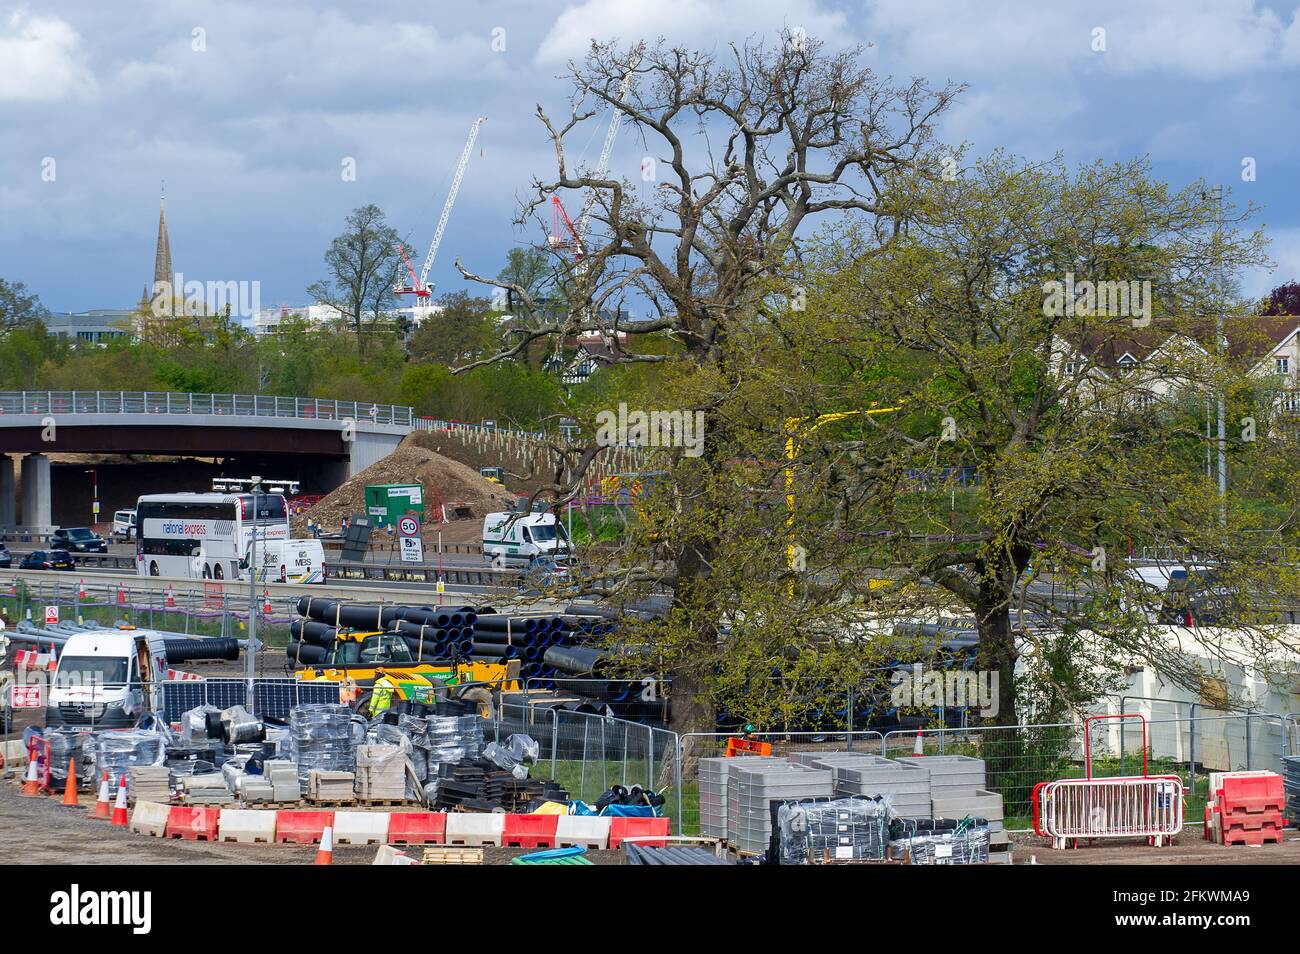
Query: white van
[
  {"x": 516, "y": 539},
  {"x": 291, "y": 561},
  {"x": 123, "y": 526},
  {"x": 108, "y": 678}
]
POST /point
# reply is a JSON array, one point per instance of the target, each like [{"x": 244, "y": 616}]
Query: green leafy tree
[
  {"x": 463, "y": 331},
  {"x": 363, "y": 267},
  {"x": 17, "y": 308},
  {"x": 956, "y": 322}
]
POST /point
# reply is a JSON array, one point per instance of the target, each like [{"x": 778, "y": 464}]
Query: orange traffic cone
[
  {"x": 31, "y": 785},
  {"x": 119, "y": 809},
  {"x": 70, "y": 789},
  {"x": 918, "y": 747},
  {"x": 104, "y": 804},
  {"x": 325, "y": 854}
]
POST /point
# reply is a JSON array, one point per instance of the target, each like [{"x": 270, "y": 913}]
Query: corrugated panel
[{"x": 671, "y": 855}]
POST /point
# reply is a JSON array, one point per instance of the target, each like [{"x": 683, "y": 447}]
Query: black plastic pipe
[{"x": 186, "y": 650}]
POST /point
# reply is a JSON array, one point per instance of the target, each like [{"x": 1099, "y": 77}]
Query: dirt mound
[
  {"x": 444, "y": 480},
  {"x": 526, "y": 463}
]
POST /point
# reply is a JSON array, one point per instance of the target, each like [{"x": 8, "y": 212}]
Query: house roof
[{"x": 1253, "y": 337}]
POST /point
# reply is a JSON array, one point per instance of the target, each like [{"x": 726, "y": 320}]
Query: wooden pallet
[
  {"x": 452, "y": 855},
  {"x": 331, "y": 802},
  {"x": 382, "y": 802}
]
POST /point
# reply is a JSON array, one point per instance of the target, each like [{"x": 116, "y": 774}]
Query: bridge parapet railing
[{"x": 169, "y": 402}]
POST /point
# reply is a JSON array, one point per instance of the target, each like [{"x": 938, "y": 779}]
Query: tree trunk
[{"x": 997, "y": 656}]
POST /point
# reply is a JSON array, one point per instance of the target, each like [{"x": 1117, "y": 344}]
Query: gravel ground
[
  {"x": 40, "y": 831},
  {"x": 1190, "y": 849}
]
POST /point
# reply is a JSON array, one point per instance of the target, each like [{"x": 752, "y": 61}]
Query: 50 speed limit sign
[{"x": 408, "y": 526}]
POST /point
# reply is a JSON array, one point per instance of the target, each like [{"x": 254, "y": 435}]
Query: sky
[{"x": 251, "y": 113}]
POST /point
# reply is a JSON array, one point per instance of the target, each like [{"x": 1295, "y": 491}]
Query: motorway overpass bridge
[{"x": 340, "y": 437}]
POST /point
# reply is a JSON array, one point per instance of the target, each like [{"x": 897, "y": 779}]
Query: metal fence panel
[{"x": 587, "y": 754}]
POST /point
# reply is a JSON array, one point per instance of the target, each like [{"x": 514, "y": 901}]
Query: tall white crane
[
  {"x": 420, "y": 285},
  {"x": 559, "y": 218}
]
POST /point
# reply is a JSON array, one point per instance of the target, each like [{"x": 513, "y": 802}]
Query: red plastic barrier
[
  {"x": 417, "y": 828},
  {"x": 192, "y": 824},
  {"x": 529, "y": 831},
  {"x": 620, "y": 828},
  {"x": 301, "y": 828},
  {"x": 1252, "y": 793}
]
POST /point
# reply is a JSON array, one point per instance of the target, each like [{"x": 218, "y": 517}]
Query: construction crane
[
  {"x": 560, "y": 221},
  {"x": 420, "y": 285}
]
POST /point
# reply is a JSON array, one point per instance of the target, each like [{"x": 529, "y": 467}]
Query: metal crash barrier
[{"x": 1137, "y": 807}]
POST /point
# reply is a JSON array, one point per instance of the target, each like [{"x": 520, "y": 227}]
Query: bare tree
[{"x": 749, "y": 148}]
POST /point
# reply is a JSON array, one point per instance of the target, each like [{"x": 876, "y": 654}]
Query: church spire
[{"x": 162, "y": 266}]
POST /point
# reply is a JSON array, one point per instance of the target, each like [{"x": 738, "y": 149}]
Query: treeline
[{"x": 302, "y": 361}]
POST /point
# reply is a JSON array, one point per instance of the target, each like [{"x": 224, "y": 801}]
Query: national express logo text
[{"x": 174, "y": 528}]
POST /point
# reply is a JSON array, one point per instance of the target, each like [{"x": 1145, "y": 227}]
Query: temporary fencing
[
  {"x": 1018, "y": 758},
  {"x": 588, "y": 753},
  {"x": 1068, "y": 809},
  {"x": 272, "y": 698}
]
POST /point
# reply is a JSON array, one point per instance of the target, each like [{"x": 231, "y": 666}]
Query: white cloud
[
  {"x": 1203, "y": 39},
  {"x": 42, "y": 60},
  {"x": 699, "y": 21}
]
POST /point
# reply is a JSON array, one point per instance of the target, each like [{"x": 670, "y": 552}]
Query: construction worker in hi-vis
[{"x": 381, "y": 692}]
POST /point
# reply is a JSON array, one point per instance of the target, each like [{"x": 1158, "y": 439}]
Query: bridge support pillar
[
  {"x": 37, "y": 511},
  {"x": 8, "y": 493}
]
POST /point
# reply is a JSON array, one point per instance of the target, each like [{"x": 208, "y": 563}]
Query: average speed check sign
[{"x": 408, "y": 530}]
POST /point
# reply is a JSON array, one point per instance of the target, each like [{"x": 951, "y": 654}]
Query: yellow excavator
[{"x": 354, "y": 655}]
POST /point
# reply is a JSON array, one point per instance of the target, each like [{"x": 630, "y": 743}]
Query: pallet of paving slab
[{"x": 452, "y": 855}]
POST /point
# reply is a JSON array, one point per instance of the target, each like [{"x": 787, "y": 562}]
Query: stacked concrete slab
[
  {"x": 752, "y": 786},
  {"x": 327, "y": 786},
  {"x": 907, "y": 787},
  {"x": 713, "y": 796},
  {"x": 957, "y": 790},
  {"x": 283, "y": 776},
  {"x": 148, "y": 783},
  {"x": 208, "y": 788},
  {"x": 381, "y": 773}
]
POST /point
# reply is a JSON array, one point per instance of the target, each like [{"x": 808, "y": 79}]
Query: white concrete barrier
[
  {"x": 465, "y": 828},
  {"x": 246, "y": 826},
  {"x": 585, "y": 831},
  {"x": 15, "y": 754},
  {"x": 388, "y": 855},
  {"x": 360, "y": 828},
  {"x": 150, "y": 818}
]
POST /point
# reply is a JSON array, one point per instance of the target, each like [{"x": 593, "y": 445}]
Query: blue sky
[{"x": 251, "y": 131}]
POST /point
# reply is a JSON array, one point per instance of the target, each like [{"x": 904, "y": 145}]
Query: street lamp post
[
  {"x": 250, "y": 651},
  {"x": 94, "y": 496}
]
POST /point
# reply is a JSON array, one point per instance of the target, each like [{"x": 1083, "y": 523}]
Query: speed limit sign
[{"x": 408, "y": 526}]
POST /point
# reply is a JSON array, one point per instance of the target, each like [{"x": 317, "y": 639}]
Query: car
[
  {"x": 48, "y": 560},
  {"x": 6, "y": 558},
  {"x": 78, "y": 540},
  {"x": 545, "y": 572}
]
